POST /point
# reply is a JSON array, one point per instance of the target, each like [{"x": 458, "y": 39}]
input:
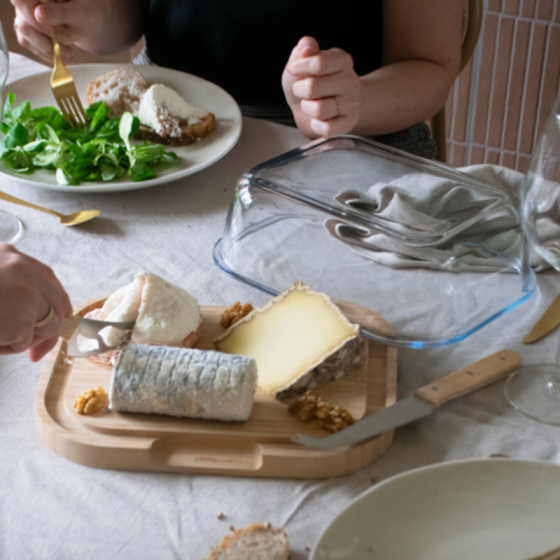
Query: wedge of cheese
[{"x": 299, "y": 340}]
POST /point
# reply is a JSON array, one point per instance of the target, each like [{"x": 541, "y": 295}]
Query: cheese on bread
[
  {"x": 164, "y": 115},
  {"x": 163, "y": 110}
]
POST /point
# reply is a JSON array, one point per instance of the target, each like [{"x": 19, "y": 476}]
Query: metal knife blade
[
  {"x": 423, "y": 401},
  {"x": 549, "y": 320},
  {"x": 73, "y": 327}
]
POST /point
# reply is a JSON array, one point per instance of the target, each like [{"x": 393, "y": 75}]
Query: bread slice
[
  {"x": 255, "y": 542},
  {"x": 189, "y": 133},
  {"x": 122, "y": 90}
]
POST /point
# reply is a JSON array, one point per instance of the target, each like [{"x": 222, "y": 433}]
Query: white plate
[
  {"x": 489, "y": 509},
  {"x": 193, "y": 158}
]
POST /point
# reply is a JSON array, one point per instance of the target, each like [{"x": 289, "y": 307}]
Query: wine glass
[
  {"x": 11, "y": 228},
  {"x": 535, "y": 390}
]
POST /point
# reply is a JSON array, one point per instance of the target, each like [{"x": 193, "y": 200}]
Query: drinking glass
[
  {"x": 11, "y": 228},
  {"x": 535, "y": 390}
]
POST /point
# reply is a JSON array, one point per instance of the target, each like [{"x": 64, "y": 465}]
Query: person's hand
[
  {"x": 71, "y": 21},
  {"x": 28, "y": 292},
  {"x": 322, "y": 89}
]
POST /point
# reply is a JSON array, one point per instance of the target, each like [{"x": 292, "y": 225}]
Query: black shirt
[{"x": 244, "y": 46}]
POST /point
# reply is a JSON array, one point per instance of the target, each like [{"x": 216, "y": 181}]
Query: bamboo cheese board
[{"x": 259, "y": 447}]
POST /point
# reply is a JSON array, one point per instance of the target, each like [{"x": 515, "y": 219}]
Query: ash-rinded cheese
[
  {"x": 183, "y": 382},
  {"x": 299, "y": 339}
]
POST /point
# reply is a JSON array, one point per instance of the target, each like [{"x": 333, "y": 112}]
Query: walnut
[
  {"x": 90, "y": 402},
  {"x": 305, "y": 406},
  {"x": 331, "y": 417},
  {"x": 235, "y": 312}
]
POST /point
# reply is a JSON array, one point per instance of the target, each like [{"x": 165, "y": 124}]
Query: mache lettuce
[{"x": 102, "y": 151}]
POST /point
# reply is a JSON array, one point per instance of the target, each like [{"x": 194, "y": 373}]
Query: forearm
[
  {"x": 122, "y": 27},
  {"x": 420, "y": 61},
  {"x": 402, "y": 94}
]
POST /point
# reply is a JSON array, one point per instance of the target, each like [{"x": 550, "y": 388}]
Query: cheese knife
[
  {"x": 423, "y": 401},
  {"x": 553, "y": 554},
  {"x": 549, "y": 320},
  {"x": 74, "y": 326}
]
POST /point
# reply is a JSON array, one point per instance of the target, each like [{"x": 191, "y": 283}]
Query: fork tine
[
  {"x": 73, "y": 111},
  {"x": 79, "y": 109},
  {"x": 79, "y": 113},
  {"x": 65, "y": 112},
  {"x": 71, "y": 107}
]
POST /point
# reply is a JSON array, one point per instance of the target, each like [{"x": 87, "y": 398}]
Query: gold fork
[{"x": 64, "y": 89}]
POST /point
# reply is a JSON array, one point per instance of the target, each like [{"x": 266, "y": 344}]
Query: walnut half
[
  {"x": 235, "y": 312},
  {"x": 90, "y": 402},
  {"x": 331, "y": 417}
]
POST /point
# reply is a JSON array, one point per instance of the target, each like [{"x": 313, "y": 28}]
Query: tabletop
[{"x": 52, "y": 508}]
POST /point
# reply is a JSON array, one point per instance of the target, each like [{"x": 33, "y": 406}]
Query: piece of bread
[
  {"x": 255, "y": 542},
  {"x": 122, "y": 90}
]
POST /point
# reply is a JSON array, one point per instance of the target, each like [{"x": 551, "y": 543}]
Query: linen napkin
[{"x": 424, "y": 202}]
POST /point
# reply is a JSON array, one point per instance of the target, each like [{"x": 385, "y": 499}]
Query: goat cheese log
[{"x": 183, "y": 382}]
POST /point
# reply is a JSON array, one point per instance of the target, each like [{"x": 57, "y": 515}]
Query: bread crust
[
  {"x": 189, "y": 134},
  {"x": 241, "y": 544}
]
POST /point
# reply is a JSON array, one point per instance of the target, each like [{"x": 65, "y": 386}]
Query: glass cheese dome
[{"x": 437, "y": 252}]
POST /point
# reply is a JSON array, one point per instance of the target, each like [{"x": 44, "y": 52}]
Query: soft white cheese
[
  {"x": 162, "y": 109},
  {"x": 164, "y": 313}
]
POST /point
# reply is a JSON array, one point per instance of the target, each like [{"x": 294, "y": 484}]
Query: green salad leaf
[{"x": 104, "y": 150}]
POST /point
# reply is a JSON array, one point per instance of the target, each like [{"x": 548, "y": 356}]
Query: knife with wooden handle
[
  {"x": 553, "y": 554},
  {"x": 423, "y": 401}
]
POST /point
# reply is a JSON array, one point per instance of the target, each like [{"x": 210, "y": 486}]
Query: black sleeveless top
[{"x": 243, "y": 46}]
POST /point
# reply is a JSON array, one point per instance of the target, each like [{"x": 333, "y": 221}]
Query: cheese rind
[
  {"x": 183, "y": 382},
  {"x": 164, "y": 313},
  {"x": 350, "y": 356},
  {"x": 300, "y": 340}
]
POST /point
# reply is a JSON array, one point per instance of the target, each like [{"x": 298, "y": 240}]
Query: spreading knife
[
  {"x": 423, "y": 401},
  {"x": 549, "y": 321},
  {"x": 73, "y": 327}
]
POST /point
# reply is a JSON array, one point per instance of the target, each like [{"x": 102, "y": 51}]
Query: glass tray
[{"x": 435, "y": 251}]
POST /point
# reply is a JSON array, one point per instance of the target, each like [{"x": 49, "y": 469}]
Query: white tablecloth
[{"x": 51, "y": 508}]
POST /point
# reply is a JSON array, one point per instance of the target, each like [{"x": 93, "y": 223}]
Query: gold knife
[
  {"x": 553, "y": 554},
  {"x": 549, "y": 320}
]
